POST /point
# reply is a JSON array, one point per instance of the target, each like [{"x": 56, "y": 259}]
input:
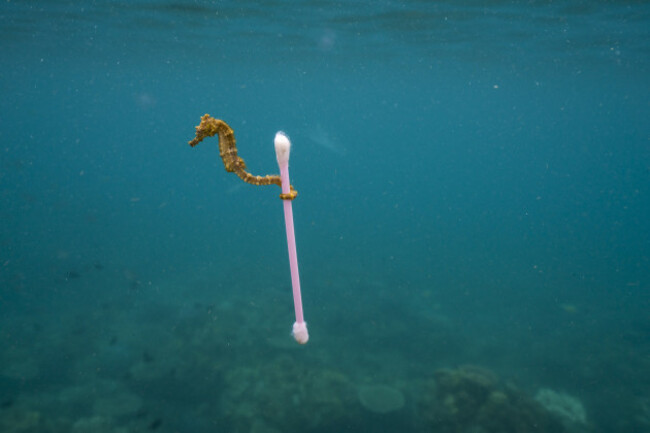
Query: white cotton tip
[
  {"x": 282, "y": 148},
  {"x": 300, "y": 332}
]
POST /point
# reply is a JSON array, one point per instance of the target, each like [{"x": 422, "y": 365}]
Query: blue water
[{"x": 474, "y": 189}]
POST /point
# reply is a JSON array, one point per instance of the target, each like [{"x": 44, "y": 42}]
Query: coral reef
[
  {"x": 471, "y": 399},
  {"x": 380, "y": 398},
  {"x": 565, "y": 407},
  {"x": 288, "y": 396},
  {"x": 24, "y": 420},
  {"x": 19, "y": 420}
]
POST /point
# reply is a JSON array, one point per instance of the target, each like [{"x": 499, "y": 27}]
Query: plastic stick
[{"x": 282, "y": 151}]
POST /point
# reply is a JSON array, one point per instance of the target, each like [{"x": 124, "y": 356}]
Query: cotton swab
[{"x": 282, "y": 151}]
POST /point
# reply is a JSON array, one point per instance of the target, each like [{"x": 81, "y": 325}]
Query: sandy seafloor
[{"x": 472, "y": 219}]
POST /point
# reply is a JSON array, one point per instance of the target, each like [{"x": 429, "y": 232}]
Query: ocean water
[{"x": 472, "y": 224}]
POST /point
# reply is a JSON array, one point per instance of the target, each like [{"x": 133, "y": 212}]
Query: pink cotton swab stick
[{"x": 282, "y": 150}]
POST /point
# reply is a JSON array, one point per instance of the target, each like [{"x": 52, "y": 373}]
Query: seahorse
[{"x": 210, "y": 127}]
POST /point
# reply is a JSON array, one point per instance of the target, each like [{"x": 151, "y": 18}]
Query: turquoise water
[{"x": 472, "y": 221}]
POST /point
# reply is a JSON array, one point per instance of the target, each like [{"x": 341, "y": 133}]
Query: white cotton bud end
[
  {"x": 300, "y": 333},
  {"x": 282, "y": 148}
]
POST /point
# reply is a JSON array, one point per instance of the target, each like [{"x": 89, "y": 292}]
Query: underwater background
[{"x": 472, "y": 224}]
